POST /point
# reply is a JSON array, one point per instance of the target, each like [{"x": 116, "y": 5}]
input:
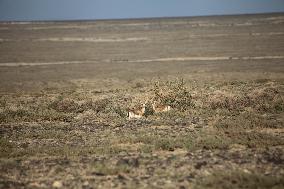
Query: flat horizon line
[{"x": 138, "y": 18}]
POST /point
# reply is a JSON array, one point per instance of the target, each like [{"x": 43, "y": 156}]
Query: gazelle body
[
  {"x": 136, "y": 113},
  {"x": 160, "y": 107}
]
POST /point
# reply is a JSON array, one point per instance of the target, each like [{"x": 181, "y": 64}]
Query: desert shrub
[
  {"x": 239, "y": 179},
  {"x": 146, "y": 148},
  {"x": 109, "y": 169},
  {"x": 262, "y": 99},
  {"x": 248, "y": 120},
  {"x": 227, "y": 100},
  {"x": 52, "y": 115},
  {"x": 211, "y": 142},
  {"x": 255, "y": 139},
  {"x": 174, "y": 94},
  {"x": 267, "y": 99},
  {"x": 86, "y": 105},
  {"x": 164, "y": 143},
  {"x": 101, "y": 105},
  {"x": 6, "y": 147},
  {"x": 28, "y": 115},
  {"x": 121, "y": 112},
  {"x": 138, "y": 85},
  {"x": 9, "y": 115},
  {"x": 66, "y": 105},
  {"x": 148, "y": 109},
  {"x": 3, "y": 102}
]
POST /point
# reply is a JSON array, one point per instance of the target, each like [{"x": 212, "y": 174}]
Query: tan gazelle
[
  {"x": 136, "y": 113},
  {"x": 160, "y": 107}
]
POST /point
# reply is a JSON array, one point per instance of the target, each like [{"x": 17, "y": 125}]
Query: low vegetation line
[{"x": 217, "y": 58}]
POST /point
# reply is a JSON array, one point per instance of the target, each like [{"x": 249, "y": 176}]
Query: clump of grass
[
  {"x": 173, "y": 115},
  {"x": 146, "y": 148},
  {"x": 248, "y": 120},
  {"x": 239, "y": 179},
  {"x": 210, "y": 141},
  {"x": 174, "y": 94},
  {"x": 227, "y": 100},
  {"x": 3, "y": 102},
  {"x": 101, "y": 105},
  {"x": 265, "y": 99},
  {"x": 66, "y": 105},
  {"x": 188, "y": 141},
  {"x": 164, "y": 143},
  {"x": 6, "y": 147},
  {"x": 138, "y": 85},
  {"x": 15, "y": 115},
  {"x": 254, "y": 139},
  {"x": 121, "y": 112},
  {"x": 148, "y": 109},
  {"x": 102, "y": 168}
]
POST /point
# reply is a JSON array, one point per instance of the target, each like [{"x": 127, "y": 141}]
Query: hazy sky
[{"x": 105, "y": 9}]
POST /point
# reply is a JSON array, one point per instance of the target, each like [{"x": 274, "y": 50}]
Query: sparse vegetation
[
  {"x": 75, "y": 125},
  {"x": 174, "y": 94},
  {"x": 239, "y": 179},
  {"x": 66, "y": 125},
  {"x": 264, "y": 99}
]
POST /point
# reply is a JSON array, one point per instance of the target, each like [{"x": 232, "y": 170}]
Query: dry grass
[
  {"x": 173, "y": 93},
  {"x": 65, "y": 122},
  {"x": 239, "y": 179},
  {"x": 264, "y": 99},
  {"x": 79, "y": 123}
]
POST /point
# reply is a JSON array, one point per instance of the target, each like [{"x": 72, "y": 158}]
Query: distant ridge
[{"x": 139, "y": 19}]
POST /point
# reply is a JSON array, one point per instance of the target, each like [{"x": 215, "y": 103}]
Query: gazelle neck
[{"x": 143, "y": 108}]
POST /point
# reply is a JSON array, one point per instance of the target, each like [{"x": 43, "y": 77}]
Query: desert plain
[{"x": 66, "y": 88}]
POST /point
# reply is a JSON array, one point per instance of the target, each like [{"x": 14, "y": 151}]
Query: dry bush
[
  {"x": 227, "y": 100},
  {"x": 101, "y": 105},
  {"x": 148, "y": 109},
  {"x": 120, "y": 111},
  {"x": 267, "y": 99},
  {"x": 108, "y": 106},
  {"x": 261, "y": 99},
  {"x": 174, "y": 94},
  {"x": 239, "y": 179},
  {"x": 248, "y": 120},
  {"x": 86, "y": 116},
  {"x": 66, "y": 105},
  {"x": 33, "y": 114}
]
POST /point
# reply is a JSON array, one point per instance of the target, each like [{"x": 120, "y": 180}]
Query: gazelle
[
  {"x": 136, "y": 113},
  {"x": 160, "y": 107}
]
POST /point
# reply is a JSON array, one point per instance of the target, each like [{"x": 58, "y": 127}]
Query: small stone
[
  {"x": 86, "y": 183},
  {"x": 57, "y": 184},
  {"x": 246, "y": 171}
]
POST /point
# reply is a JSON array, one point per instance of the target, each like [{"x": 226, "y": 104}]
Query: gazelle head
[{"x": 137, "y": 113}]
